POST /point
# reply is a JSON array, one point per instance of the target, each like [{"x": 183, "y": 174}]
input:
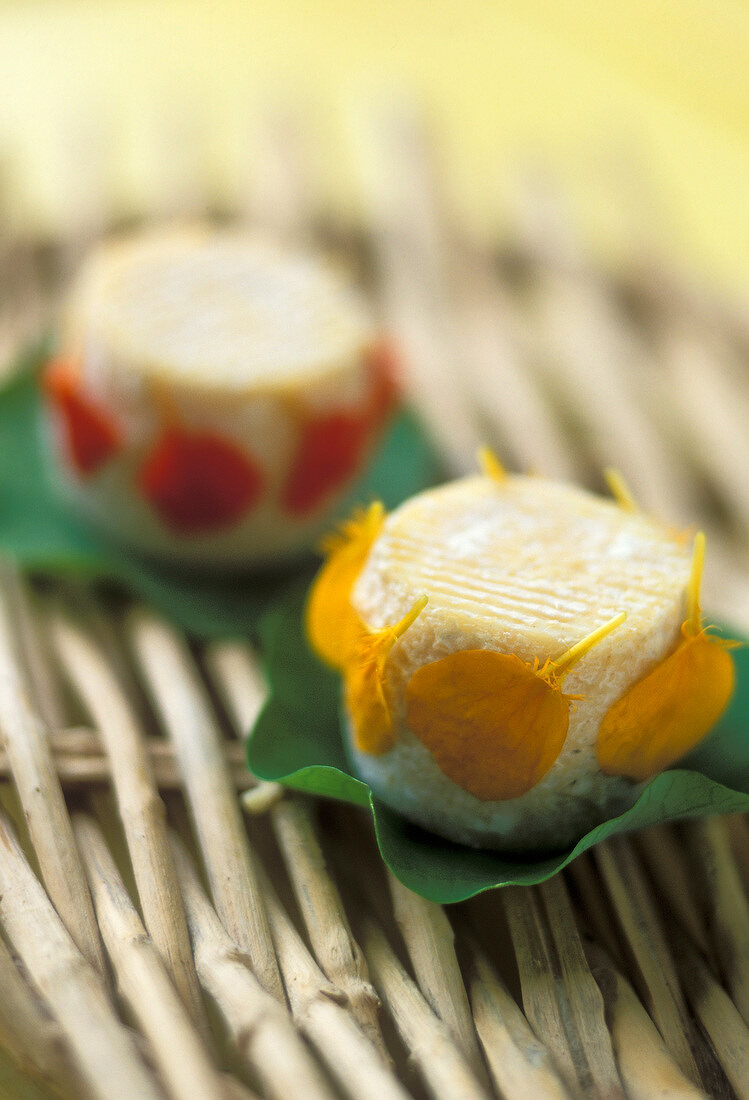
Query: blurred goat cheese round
[{"x": 214, "y": 396}]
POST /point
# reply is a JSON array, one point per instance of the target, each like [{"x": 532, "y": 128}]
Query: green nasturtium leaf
[
  {"x": 298, "y": 741},
  {"x": 41, "y": 534}
]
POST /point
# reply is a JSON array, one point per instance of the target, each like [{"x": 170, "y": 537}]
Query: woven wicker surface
[{"x": 157, "y": 940}]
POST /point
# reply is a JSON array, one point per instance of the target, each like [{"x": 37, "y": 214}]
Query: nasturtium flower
[
  {"x": 333, "y": 627},
  {"x": 666, "y": 713},
  {"x": 494, "y": 723}
]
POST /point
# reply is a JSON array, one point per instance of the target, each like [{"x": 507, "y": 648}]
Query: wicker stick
[
  {"x": 26, "y": 308},
  {"x": 319, "y": 1010},
  {"x": 738, "y": 830},
  {"x": 140, "y": 808},
  {"x": 713, "y": 411},
  {"x": 502, "y": 385},
  {"x": 303, "y": 977},
  {"x": 279, "y": 194},
  {"x": 36, "y": 647},
  {"x": 582, "y": 353},
  {"x": 80, "y": 741},
  {"x": 356, "y": 1064},
  {"x": 596, "y": 343},
  {"x": 646, "y": 1067},
  {"x": 719, "y": 1017},
  {"x": 656, "y": 976},
  {"x": 593, "y": 908},
  {"x": 142, "y": 978},
  {"x": 33, "y": 1037},
  {"x": 560, "y": 998},
  {"x": 537, "y": 980},
  {"x": 261, "y": 797},
  {"x": 520, "y": 1064},
  {"x": 187, "y": 716},
  {"x": 324, "y": 917},
  {"x": 238, "y": 678},
  {"x": 430, "y": 942},
  {"x": 28, "y": 752},
  {"x": 429, "y": 1043},
  {"x": 583, "y": 996},
  {"x": 242, "y": 686},
  {"x": 408, "y": 229},
  {"x": 240, "y": 682},
  {"x": 236, "y": 1090},
  {"x": 80, "y": 759},
  {"x": 726, "y": 904},
  {"x": 726, "y": 586},
  {"x": 663, "y": 856},
  {"x": 670, "y": 294},
  {"x": 104, "y": 1049},
  {"x": 259, "y": 1027}
]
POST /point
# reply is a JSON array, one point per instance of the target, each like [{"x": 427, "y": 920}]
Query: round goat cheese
[{"x": 519, "y": 656}]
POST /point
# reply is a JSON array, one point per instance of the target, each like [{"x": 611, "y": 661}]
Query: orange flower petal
[
  {"x": 333, "y": 627},
  {"x": 91, "y": 434},
  {"x": 667, "y": 712},
  {"x": 493, "y": 725}
]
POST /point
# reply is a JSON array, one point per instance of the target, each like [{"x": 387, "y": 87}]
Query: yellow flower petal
[
  {"x": 371, "y": 720},
  {"x": 669, "y": 711},
  {"x": 333, "y": 627},
  {"x": 493, "y": 724},
  {"x": 364, "y": 674}
]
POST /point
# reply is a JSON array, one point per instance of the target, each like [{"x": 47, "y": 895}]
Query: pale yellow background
[{"x": 641, "y": 107}]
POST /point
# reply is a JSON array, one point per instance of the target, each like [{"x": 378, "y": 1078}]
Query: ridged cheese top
[
  {"x": 225, "y": 309},
  {"x": 529, "y": 555}
]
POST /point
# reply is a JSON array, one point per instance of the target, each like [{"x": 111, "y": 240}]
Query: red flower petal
[
  {"x": 329, "y": 452},
  {"x": 92, "y": 435},
  {"x": 331, "y": 446},
  {"x": 199, "y": 482}
]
